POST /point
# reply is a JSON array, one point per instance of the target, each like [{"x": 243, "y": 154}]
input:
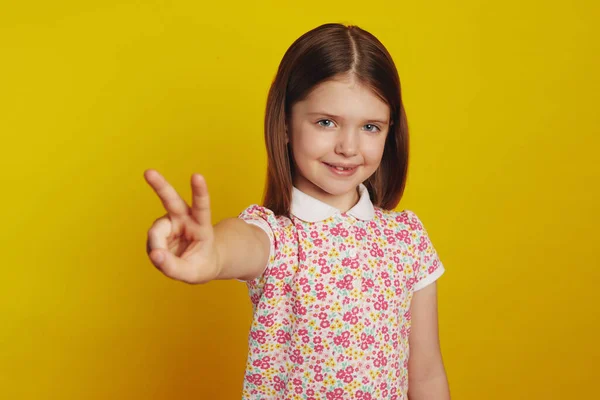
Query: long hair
[{"x": 321, "y": 54}]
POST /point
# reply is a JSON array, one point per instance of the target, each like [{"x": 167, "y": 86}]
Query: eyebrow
[{"x": 337, "y": 117}]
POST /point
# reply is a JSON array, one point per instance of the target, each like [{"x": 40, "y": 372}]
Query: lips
[{"x": 342, "y": 169}]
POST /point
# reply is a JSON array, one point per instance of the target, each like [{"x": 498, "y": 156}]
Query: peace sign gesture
[{"x": 181, "y": 244}]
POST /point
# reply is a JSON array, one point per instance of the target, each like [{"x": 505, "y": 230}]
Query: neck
[{"x": 342, "y": 202}]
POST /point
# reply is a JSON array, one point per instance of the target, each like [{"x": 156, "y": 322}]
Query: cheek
[
  {"x": 373, "y": 151},
  {"x": 309, "y": 143}
]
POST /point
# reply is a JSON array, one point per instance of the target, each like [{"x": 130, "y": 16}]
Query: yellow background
[{"x": 502, "y": 100}]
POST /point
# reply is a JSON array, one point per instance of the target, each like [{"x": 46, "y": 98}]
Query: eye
[
  {"x": 325, "y": 123},
  {"x": 372, "y": 128}
]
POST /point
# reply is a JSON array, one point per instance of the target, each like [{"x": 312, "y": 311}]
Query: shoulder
[
  {"x": 277, "y": 225},
  {"x": 404, "y": 219}
]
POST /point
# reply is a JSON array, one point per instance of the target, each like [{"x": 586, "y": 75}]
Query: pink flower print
[
  {"x": 296, "y": 357},
  {"x": 343, "y": 233},
  {"x": 334, "y": 231},
  {"x": 306, "y": 288},
  {"x": 342, "y": 247},
  {"x": 336, "y": 394},
  {"x": 366, "y": 341},
  {"x": 380, "y": 304},
  {"x": 259, "y": 336},
  {"x": 283, "y": 337},
  {"x": 403, "y": 218},
  {"x": 279, "y": 385},
  {"x": 310, "y": 392},
  {"x": 319, "y": 377},
  {"x": 325, "y": 270},
  {"x": 343, "y": 339},
  {"x": 321, "y": 295},
  {"x": 266, "y": 321},
  {"x": 263, "y": 363},
  {"x": 423, "y": 244},
  {"x": 354, "y": 264},
  {"x": 318, "y": 243},
  {"x": 280, "y": 273},
  {"x": 380, "y": 361},
  {"x": 350, "y": 318},
  {"x": 367, "y": 284},
  {"x": 322, "y": 261},
  {"x": 297, "y": 382},
  {"x": 314, "y": 234},
  {"x": 255, "y": 379},
  {"x": 302, "y": 254},
  {"x": 346, "y": 262},
  {"x": 303, "y": 281},
  {"x": 362, "y": 395},
  {"x": 319, "y": 287},
  {"x": 345, "y": 374},
  {"x": 345, "y": 283},
  {"x": 269, "y": 290},
  {"x": 402, "y": 235},
  {"x": 388, "y": 232}
]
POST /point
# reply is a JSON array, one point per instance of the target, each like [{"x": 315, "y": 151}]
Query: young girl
[{"x": 343, "y": 287}]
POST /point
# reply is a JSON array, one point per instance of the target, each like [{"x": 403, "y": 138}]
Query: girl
[{"x": 343, "y": 287}]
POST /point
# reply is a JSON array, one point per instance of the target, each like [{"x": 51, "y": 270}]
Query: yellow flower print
[
  {"x": 337, "y": 324},
  {"x": 336, "y": 307},
  {"x": 312, "y": 270},
  {"x": 329, "y": 381},
  {"x": 334, "y": 253},
  {"x": 373, "y": 373},
  {"x": 330, "y": 362},
  {"x": 352, "y": 386}
]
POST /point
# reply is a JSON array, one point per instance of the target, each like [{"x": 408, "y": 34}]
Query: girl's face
[{"x": 337, "y": 135}]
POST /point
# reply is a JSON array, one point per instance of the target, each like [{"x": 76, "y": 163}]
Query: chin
[{"x": 338, "y": 188}]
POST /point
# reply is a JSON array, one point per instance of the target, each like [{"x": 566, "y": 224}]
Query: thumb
[{"x": 164, "y": 261}]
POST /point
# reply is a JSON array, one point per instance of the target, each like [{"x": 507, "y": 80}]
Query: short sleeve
[
  {"x": 428, "y": 266},
  {"x": 267, "y": 221}
]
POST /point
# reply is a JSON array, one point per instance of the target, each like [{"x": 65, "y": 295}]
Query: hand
[{"x": 181, "y": 243}]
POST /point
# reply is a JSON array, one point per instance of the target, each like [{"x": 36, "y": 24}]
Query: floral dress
[{"x": 331, "y": 315}]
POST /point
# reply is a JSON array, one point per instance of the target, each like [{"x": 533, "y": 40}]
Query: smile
[{"x": 344, "y": 170}]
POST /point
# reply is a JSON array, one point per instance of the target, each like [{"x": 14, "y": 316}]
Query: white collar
[{"x": 309, "y": 209}]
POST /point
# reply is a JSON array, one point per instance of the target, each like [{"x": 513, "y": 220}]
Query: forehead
[{"x": 345, "y": 97}]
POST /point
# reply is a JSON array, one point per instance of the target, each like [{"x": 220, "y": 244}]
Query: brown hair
[{"x": 319, "y": 55}]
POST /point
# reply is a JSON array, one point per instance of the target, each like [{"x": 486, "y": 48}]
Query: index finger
[{"x": 171, "y": 200}]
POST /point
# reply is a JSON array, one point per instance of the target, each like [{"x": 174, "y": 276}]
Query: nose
[{"x": 347, "y": 143}]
